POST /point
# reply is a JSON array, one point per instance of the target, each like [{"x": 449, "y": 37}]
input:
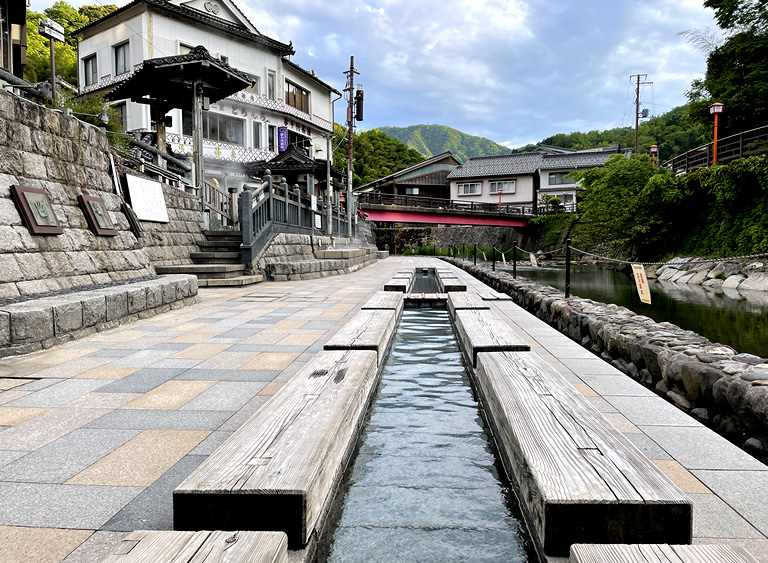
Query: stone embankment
[
  {"x": 715, "y": 275},
  {"x": 715, "y": 384}
]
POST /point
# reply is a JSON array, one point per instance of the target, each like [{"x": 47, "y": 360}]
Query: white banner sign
[
  {"x": 314, "y": 203},
  {"x": 318, "y": 221},
  {"x": 534, "y": 263},
  {"x": 638, "y": 270},
  {"x": 147, "y": 199}
]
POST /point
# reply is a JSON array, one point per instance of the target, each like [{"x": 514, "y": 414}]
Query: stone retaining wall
[
  {"x": 715, "y": 275},
  {"x": 718, "y": 386}
]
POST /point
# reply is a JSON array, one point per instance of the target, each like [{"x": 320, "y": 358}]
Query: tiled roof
[
  {"x": 587, "y": 159},
  {"x": 503, "y": 165}
]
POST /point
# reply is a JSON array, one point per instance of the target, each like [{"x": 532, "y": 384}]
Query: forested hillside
[{"x": 430, "y": 140}]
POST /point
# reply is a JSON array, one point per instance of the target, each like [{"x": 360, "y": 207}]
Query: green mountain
[{"x": 431, "y": 140}]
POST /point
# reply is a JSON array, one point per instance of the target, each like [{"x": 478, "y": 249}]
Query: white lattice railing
[
  {"x": 221, "y": 151},
  {"x": 109, "y": 80},
  {"x": 279, "y": 105}
]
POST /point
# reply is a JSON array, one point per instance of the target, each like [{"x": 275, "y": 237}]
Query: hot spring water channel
[{"x": 426, "y": 484}]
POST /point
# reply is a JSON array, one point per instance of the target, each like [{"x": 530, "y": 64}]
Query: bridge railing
[
  {"x": 435, "y": 203},
  {"x": 746, "y": 143}
]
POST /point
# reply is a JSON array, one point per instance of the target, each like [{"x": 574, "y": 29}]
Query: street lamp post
[
  {"x": 655, "y": 154},
  {"x": 715, "y": 109}
]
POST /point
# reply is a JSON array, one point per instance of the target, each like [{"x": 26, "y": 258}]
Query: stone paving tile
[
  {"x": 177, "y": 346},
  {"x": 102, "y": 400},
  {"x": 271, "y": 388},
  {"x": 212, "y": 442},
  {"x": 71, "y": 368},
  {"x": 299, "y": 339},
  {"x": 117, "y": 335},
  {"x": 290, "y": 371},
  {"x": 681, "y": 477},
  {"x": 142, "y": 460},
  {"x": 96, "y": 548},
  {"x": 271, "y": 361},
  {"x": 587, "y": 367},
  {"x": 195, "y": 337},
  {"x": 61, "y": 506},
  {"x": 225, "y": 396},
  {"x": 170, "y": 395},
  {"x": 59, "y": 394},
  {"x": 47, "y": 427},
  {"x": 142, "y": 380},
  {"x": 7, "y": 456},
  {"x": 106, "y": 373},
  {"x": 263, "y": 338},
  {"x": 650, "y": 449},
  {"x": 160, "y": 420},
  {"x": 617, "y": 385},
  {"x": 37, "y": 385},
  {"x": 229, "y": 374},
  {"x": 601, "y": 404},
  {"x": 242, "y": 416},
  {"x": 201, "y": 351},
  {"x": 585, "y": 390},
  {"x": 620, "y": 423},
  {"x": 64, "y": 458},
  {"x": 58, "y": 356},
  {"x": 746, "y": 491},
  {"x": 111, "y": 353},
  {"x": 12, "y": 395},
  {"x": 38, "y": 545},
  {"x": 176, "y": 363},
  {"x": 712, "y": 518},
  {"x": 11, "y": 416},
  {"x": 6, "y": 384},
  {"x": 650, "y": 411},
  {"x": 698, "y": 447},
  {"x": 153, "y": 508},
  {"x": 142, "y": 359},
  {"x": 226, "y": 360}
]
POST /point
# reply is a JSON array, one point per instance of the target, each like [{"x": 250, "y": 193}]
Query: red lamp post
[
  {"x": 655, "y": 154},
  {"x": 715, "y": 109}
]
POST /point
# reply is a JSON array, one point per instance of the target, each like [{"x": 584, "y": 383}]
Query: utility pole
[
  {"x": 350, "y": 89},
  {"x": 639, "y": 77}
]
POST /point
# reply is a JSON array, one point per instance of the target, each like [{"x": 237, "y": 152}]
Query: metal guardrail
[
  {"x": 746, "y": 143},
  {"x": 441, "y": 204}
]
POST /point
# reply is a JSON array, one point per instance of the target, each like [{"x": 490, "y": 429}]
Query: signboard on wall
[
  {"x": 642, "y": 283},
  {"x": 282, "y": 139},
  {"x": 313, "y": 202},
  {"x": 147, "y": 199},
  {"x": 318, "y": 221}
]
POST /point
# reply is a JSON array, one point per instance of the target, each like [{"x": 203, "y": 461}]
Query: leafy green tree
[{"x": 740, "y": 15}]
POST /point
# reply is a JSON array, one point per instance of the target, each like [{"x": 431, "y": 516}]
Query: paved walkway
[{"x": 95, "y": 435}]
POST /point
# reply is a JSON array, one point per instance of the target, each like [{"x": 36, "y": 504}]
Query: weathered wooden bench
[
  {"x": 460, "y": 300},
  {"x": 480, "y": 330},
  {"x": 491, "y": 295},
  {"x": 402, "y": 285},
  {"x": 436, "y": 300},
  {"x": 278, "y": 472},
  {"x": 580, "y": 479},
  {"x": 449, "y": 282},
  {"x": 200, "y": 547},
  {"x": 369, "y": 329},
  {"x": 659, "y": 553},
  {"x": 388, "y": 300}
]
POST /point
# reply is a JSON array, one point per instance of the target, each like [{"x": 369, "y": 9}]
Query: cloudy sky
[{"x": 515, "y": 71}]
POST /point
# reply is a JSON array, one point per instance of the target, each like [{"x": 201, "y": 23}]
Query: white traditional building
[{"x": 239, "y": 129}]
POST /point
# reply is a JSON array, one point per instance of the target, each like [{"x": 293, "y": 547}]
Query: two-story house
[{"x": 243, "y": 128}]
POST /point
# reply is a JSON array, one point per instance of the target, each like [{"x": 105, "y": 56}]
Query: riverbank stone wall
[
  {"x": 715, "y": 275},
  {"x": 720, "y": 387}
]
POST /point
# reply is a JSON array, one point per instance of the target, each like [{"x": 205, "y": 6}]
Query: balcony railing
[
  {"x": 281, "y": 106},
  {"x": 747, "y": 143},
  {"x": 218, "y": 150}
]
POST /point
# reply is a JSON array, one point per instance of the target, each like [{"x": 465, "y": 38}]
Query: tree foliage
[
  {"x": 740, "y": 15},
  {"x": 376, "y": 155},
  {"x": 431, "y": 140}
]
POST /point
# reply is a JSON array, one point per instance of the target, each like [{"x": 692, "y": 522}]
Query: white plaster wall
[{"x": 523, "y": 191}]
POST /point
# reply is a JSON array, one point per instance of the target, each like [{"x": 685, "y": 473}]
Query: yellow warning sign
[{"x": 638, "y": 270}]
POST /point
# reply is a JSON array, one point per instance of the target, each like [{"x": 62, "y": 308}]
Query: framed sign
[
  {"x": 132, "y": 220},
  {"x": 147, "y": 199},
  {"x": 97, "y": 215},
  {"x": 36, "y": 210},
  {"x": 282, "y": 139},
  {"x": 318, "y": 221}
]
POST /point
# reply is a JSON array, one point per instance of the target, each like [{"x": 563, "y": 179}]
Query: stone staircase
[{"x": 218, "y": 263}]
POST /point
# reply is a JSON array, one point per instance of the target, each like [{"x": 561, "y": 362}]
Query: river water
[
  {"x": 730, "y": 317},
  {"x": 425, "y": 485}
]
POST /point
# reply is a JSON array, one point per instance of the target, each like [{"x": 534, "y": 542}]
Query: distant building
[
  {"x": 425, "y": 179},
  {"x": 13, "y": 36},
  {"x": 240, "y": 129}
]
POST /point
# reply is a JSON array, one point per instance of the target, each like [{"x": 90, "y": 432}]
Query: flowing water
[
  {"x": 730, "y": 317},
  {"x": 425, "y": 485}
]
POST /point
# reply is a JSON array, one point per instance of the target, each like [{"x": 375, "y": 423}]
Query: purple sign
[{"x": 282, "y": 139}]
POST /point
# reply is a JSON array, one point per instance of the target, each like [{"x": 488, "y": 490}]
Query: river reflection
[{"x": 736, "y": 318}]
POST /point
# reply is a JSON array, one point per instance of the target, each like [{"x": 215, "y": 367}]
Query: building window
[
  {"x": 469, "y": 189},
  {"x": 567, "y": 198},
  {"x": 506, "y": 187},
  {"x": 257, "y": 135},
  {"x": 272, "y": 138},
  {"x": 271, "y": 85},
  {"x": 121, "y": 110},
  {"x": 216, "y": 127},
  {"x": 90, "y": 70},
  {"x": 557, "y": 178},
  {"x": 122, "y": 61},
  {"x": 411, "y": 191},
  {"x": 296, "y": 97}
]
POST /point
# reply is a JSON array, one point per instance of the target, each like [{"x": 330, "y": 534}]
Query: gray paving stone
[
  {"x": 211, "y": 443},
  {"x": 96, "y": 548},
  {"x": 7, "y": 456},
  {"x": 162, "y": 420},
  {"x": 225, "y": 396},
  {"x": 64, "y": 458},
  {"x": 255, "y": 348},
  {"x": 199, "y": 374},
  {"x": 651, "y": 411},
  {"x": 241, "y": 416},
  {"x": 620, "y": 385},
  {"x": 176, "y": 363},
  {"x": 142, "y": 380},
  {"x": 290, "y": 371},
  {"x": 37, "y": 385},
  {"x": 59, "y": 394},
  {"x": 61, "y": 506},
  {"x": 698, "y": 447},
  {"x": 152, "y": 509},
  {"x": 320, "y": 325},
  {"x": 745, "y": 491},
  {"x": 47, "y": 427},
  {"x": 110, "y": 353},
  {"x": 240, "y": 333},
  {"x": 177, "y": 346},
  {"x": 142, "y": 359},
  {"x": 601, "y": 404},
  {"x": 586, "y": 367},
  {"x": 650, "y": 449},
  {"x": 713, "y": 518}
]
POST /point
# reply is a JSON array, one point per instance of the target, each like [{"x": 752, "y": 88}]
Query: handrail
[
  {"x": 746, "y": 143},
  {"x": 442, "y": 204}
]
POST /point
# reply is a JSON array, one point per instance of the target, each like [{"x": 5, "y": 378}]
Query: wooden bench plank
[
  {"x": 279, "y": 470},
  {"x": 201, "y": 547},
  {"x": 449, "y": 282},
  {"x": 491, "y": 295},
  {"x": 400, "y": 285},
  {"x": 580, "y": 479},
  {"x": 369, "y": 329},
  {"x": 458, "y": 300},
  {"x": 391, "y": 300},
  {"x": 659, "y": 553},
  {"x": 483, "y": 331}
]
